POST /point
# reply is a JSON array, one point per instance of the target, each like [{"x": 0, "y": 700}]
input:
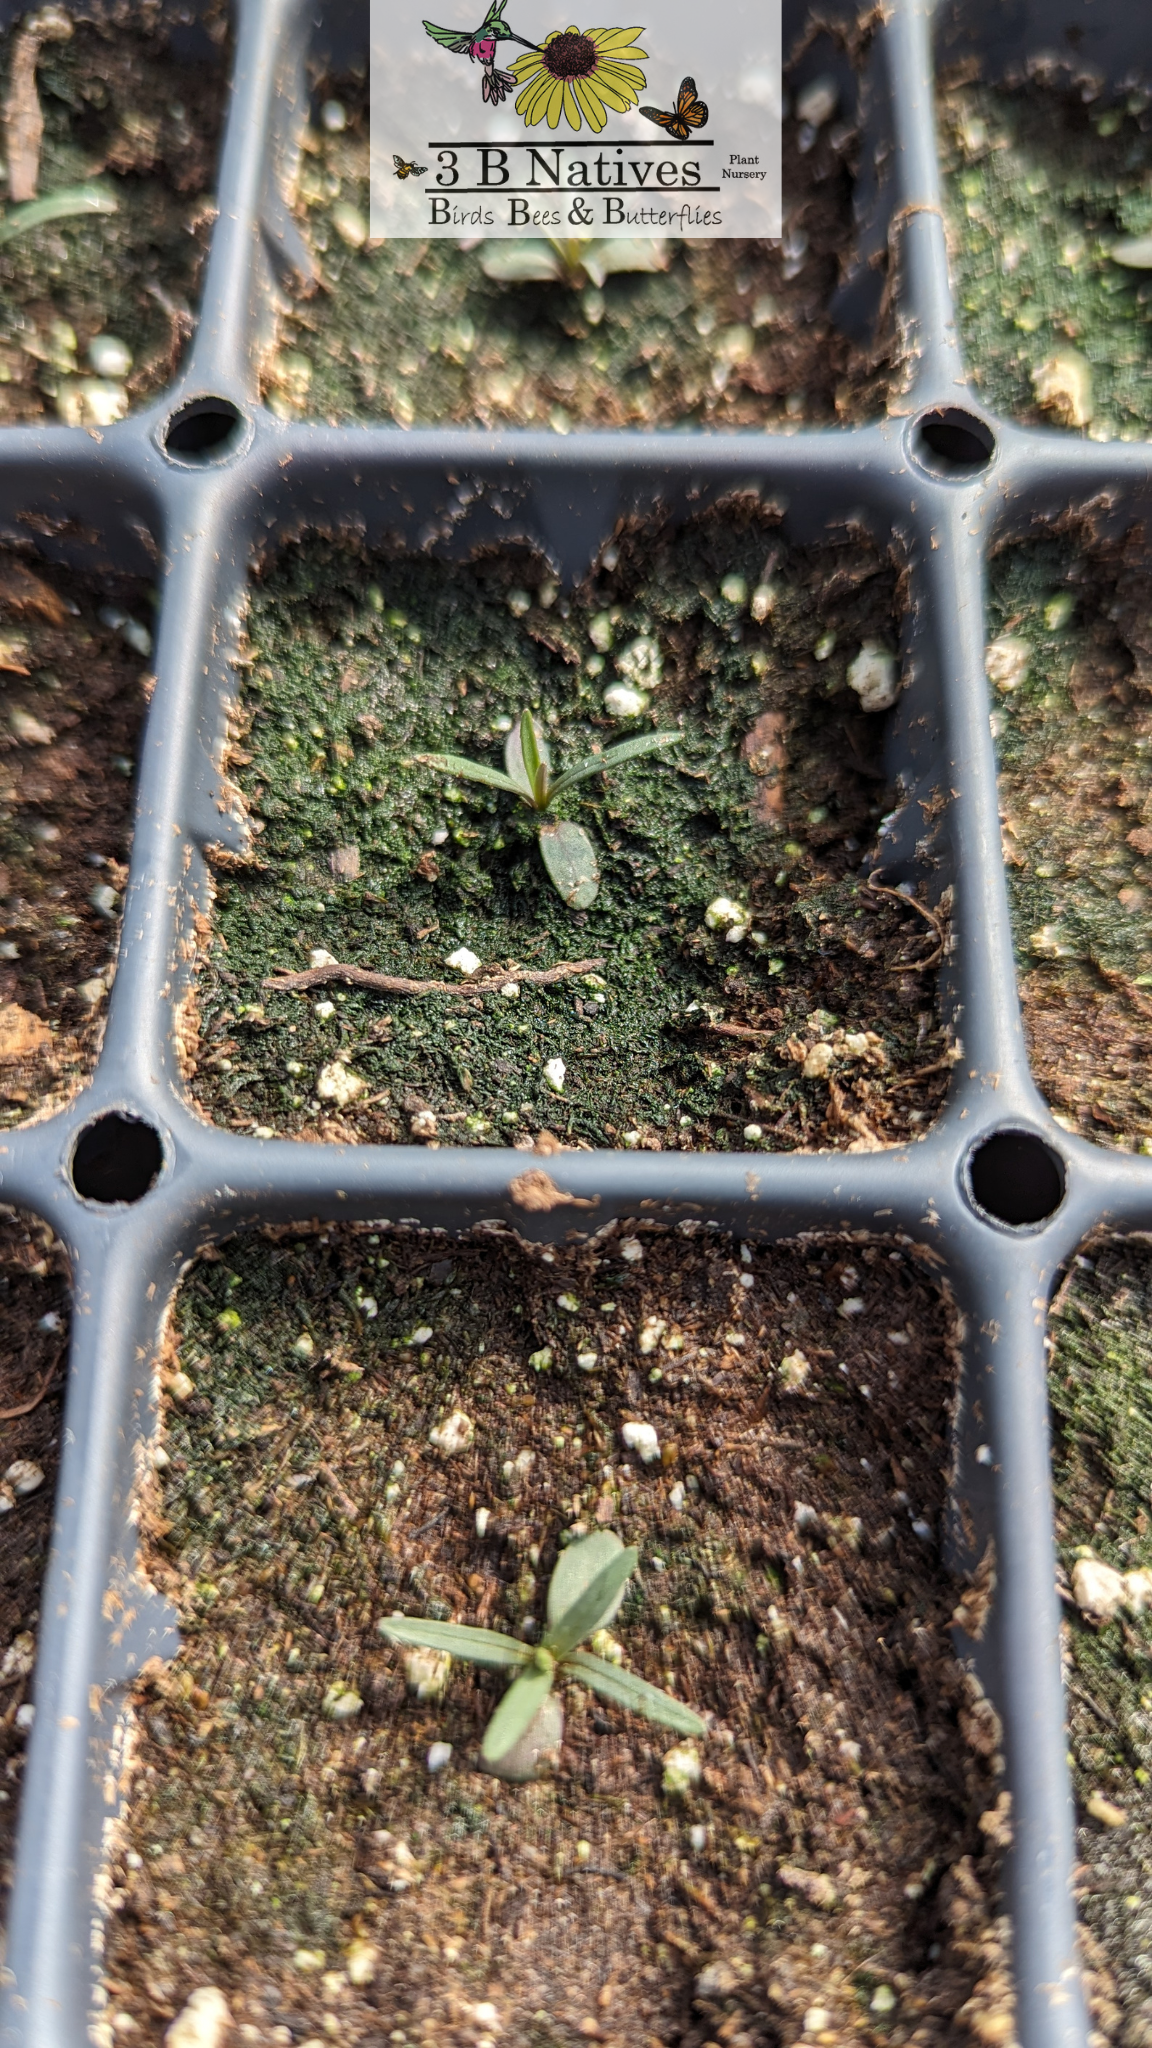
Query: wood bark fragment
[
  {"x": 21, "y": 592},
  {"x": 23, "y": 120},
  {"x": 537, "y": 1192}
]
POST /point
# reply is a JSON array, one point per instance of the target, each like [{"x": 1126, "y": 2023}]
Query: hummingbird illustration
[{"x": 479, "y": 45}]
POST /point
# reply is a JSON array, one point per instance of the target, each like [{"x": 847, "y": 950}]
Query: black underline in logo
[
  {"x": 646, "y": 142},
  {"x": 554, "y": 192}
]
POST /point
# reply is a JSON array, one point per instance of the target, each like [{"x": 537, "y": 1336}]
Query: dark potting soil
[
  {"x": 136, "y": 124},
  {"x": 828, "y": 1878},
  {"x": 1101, "y": 1376},
  {"x": 723, "y": 334},
  {"x": 1041, "y": 183},
  {"x": 1071, "y": 665},
  {"x": 76, "y": 689},
  {"x": 33, "y": 1349},
  {"x": 818, "y": 1029}
]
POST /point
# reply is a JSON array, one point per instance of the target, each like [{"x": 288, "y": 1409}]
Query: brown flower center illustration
[{"x": 570, "y": 56}]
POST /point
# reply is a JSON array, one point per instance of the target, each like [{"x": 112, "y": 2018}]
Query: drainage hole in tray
[
  {"x": 1016, "y": 1178},
  {"x": 205, "y": 430},
  {"x": 117, "y": 1159},
  {"x": 951, "y": 442}
]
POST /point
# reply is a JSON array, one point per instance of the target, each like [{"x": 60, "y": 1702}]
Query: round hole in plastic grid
[
  {"x": 952, "y": 442},
  {"x": 205, "y": 430},
  {"x": 1014, "y": 1178},
  {"x": 117, "y": 1159}
]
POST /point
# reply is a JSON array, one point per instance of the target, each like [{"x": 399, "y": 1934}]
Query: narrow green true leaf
[
  {"x": 628, "y": 750},
  {"x": 514, "y": 762},
  {"x": 575, "y": 1569},
  {"x": 474, "y": 1645},
  {"x": 591, "y": 1607},
  {"x": 631, "y": 750},
  {"x": 535, "y": 767},
  {"x": 516, "y": 1712},
  {"x": 570, "y": 858},
  {"x": 470, "y": 771},
  {"x": 73, "y": 199},
  {"x": 624, "y": 1689},
  {"x": 572, "y": 776}
]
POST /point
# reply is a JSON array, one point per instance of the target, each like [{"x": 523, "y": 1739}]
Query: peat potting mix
[{"x": 575, "y": 1004}]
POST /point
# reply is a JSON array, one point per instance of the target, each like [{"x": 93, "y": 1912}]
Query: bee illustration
[
  {"x": 690, "y": 112},
  {"x": 404, "y": 170}
]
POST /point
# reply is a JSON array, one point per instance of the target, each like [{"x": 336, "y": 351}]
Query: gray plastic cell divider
[{"x": 202, "y": 517}]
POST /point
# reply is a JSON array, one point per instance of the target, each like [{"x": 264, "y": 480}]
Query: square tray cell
[
  {"x": 814, "y": 1030},
  {"x": 33, "y": 1349},
  {"x": 1102, "y": 1426},
  {"x": 75, "y": 651},
  {"x": 1073, "y": 719},
  {"x": 1042, "y": 183},
  {"x": 296, "y": 1838},
  {"x": 102, "y": 256},
  {"x": 723, "y": 334}
]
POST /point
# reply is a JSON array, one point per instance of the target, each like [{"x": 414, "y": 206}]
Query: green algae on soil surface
[
  {"x": 1071, "y": 664},
  {"x": 76, "y": 689},
  {"x": 33, "y": 1347},
  {"x": 1101, "y": 1394},
  {"x": 141, "y": 125},
  {"x": 726, "y": 333},
  {"x": 359, "y": 663},
  {"x": 829, "y": 1860},
  {"x": 1038, "y": 187}
]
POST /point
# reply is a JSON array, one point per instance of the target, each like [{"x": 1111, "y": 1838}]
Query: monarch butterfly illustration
[
  {"x": 404, "y": 170},
  {"x": 690, "y": 112}
]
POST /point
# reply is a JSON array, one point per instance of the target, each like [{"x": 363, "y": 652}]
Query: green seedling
[
  {"x": 584, "y": 1593},
  {"x": 566, "y": 850},
  {"x": 37, "y": 213}
]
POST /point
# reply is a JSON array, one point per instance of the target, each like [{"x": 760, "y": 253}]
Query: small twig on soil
[
  {"x": 677, "y": 1941},
  {"x": 750, "y": 1758},
  {"x": 697, "y": 1896},
  {"x": 916, "y": 966},
  {"x": 930, "y": 916},
  {"x": 26, "y": 1407},
  {"x": 1094, "y": 1706},
  {"x": 773, "y": 1443},
  {"x": 909, "y": 902},
  {"x": 425, "y": 1526},
  {"x": 760, "y": 1407},
  {"x": 737, "y": 1031},
  {"x": 346, "y": 1506},
  {"x": 910, "y": 1080},
  {"x": 307, "y": 1615},
  {"x": 400, "y": 985}
]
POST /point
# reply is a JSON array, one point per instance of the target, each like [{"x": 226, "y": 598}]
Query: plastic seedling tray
[{"x": 133, "y": 1182}]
